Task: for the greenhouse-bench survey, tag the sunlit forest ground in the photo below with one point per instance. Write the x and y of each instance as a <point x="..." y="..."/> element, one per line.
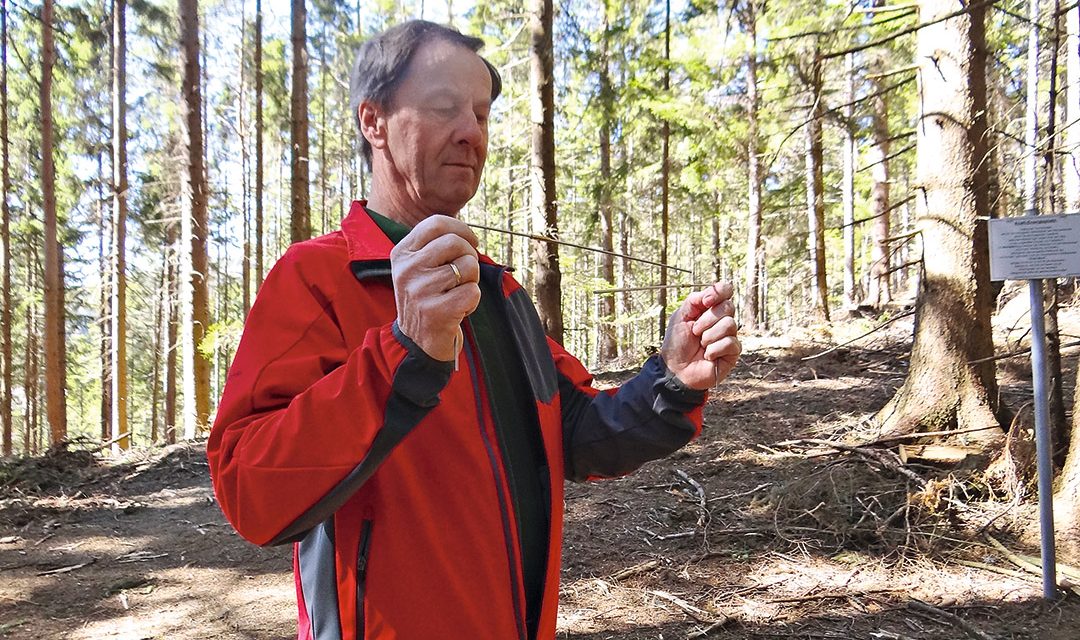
<point x="755" y="530"/>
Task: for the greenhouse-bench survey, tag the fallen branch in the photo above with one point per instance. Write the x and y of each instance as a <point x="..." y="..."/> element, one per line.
<point x="968" y="628"/>
<point x="1030" y="566"/>
<point x="1019" y="575"/>
<point x="68" y="569"/>
<point x="637" y="569"/>
<point x="709" y="629"/>
<point x="880" y="457"/>
<point x="692" y="611"/>
<point x="699" y="491"/>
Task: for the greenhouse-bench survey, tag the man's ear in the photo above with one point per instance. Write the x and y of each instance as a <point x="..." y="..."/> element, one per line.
<point x="372" y="123"/>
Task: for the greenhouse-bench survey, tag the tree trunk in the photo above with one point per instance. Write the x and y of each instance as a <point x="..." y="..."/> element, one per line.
<point x="848" y="188"/>
<point x="258" y="147"/>
<point x="548" y="278"/>
<point x="878" y="290"/>
<point x="1058" y="422"/>
<point x="608" y="343"/>
<point x="245" y="176"/>
<point x="195" y="309"/>
<point x="942" y="390"/>
<point x="5" y="233"/>
<point x="665" y="179"/>
<point x="159" y="345"/>
<point x="815" y="196"/>
<point x="118" y="295"/>
<point x="301" y="213"/>
<point x="55" y="347"/>
<point x="1071" y="164"/>
<point x="30" y="364"/>
<point x="323" y="134"/>
<point x="104" y="300"/>
<point x="755" y="256"/>
<point x="171" y="319"/>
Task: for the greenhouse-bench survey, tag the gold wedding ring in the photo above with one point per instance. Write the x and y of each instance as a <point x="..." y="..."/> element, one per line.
<point x="457" y="273"/>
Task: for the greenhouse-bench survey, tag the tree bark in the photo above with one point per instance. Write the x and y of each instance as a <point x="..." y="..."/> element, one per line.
<point x="195" y="307"/>
<point x="665" y="179"/>
<point x="301" y="213"/>
<point x="258" y="147"/>
<point x="608" y="342"/>
<point x="848" y="188"/>
<point x="245" y="163"/>
<point x="878" y="289"/>
<point x="755" y="256"/>
<point x="31" y="372"/>
<point x="548" y="276"/>
<point x="1071" y="163"/>
<point x="104" y="301"/>
<point x="118" y="296"/>
<point x="942" y="390"/>
<point x="815" y="196"/>
<point x="171" y="319"/>
<point x="5" y="233"/>
<point x="55" y="339"/>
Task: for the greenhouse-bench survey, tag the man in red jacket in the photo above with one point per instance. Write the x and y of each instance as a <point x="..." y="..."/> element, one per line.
<point x="394" y="408"/>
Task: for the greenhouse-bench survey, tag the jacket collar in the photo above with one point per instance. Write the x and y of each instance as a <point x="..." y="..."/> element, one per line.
<point x="364" y="239"/>
<point x="368" y="247"/>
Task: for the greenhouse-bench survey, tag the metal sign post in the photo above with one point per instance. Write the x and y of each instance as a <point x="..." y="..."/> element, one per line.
<point x="1043" y="442"/>
<point x="1033" y="248"/>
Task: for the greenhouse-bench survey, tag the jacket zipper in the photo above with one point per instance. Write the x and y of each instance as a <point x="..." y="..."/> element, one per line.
<point x="471" y="355"/>
<point x="361" y="575"/>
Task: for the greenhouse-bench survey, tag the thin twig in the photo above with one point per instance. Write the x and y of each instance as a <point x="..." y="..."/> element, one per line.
<point x="533" y="236"/>
<point x="903" y="32"/>
<point x="859" y="337"/>
<point x="967" y="627"/>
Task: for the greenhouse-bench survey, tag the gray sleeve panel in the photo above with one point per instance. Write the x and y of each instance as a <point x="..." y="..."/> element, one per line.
<point x="611" y="435"/>
<point x="318" y="581"/>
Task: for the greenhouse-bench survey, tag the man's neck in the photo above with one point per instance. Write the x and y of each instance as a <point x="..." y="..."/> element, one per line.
<point x="392" y="200"/>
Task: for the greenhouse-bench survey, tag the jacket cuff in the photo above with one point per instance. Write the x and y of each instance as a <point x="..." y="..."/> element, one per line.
<point x="419" y="378"/>
<point x="671" y="393"/>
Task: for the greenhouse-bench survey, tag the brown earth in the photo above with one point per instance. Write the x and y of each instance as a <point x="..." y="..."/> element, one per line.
<point x="741" y="532"/>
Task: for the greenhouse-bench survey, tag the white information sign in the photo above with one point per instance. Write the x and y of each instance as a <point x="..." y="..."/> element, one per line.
<point x="1035" y="247"/>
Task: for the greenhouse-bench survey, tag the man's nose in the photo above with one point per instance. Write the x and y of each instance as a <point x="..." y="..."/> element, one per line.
<point x="469" y="130"/>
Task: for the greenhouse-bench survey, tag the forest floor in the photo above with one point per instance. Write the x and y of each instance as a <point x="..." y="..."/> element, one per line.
<point x="752" y="531"/>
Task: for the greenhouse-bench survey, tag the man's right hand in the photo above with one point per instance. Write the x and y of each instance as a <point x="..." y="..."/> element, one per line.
<point x="431" y="302"/>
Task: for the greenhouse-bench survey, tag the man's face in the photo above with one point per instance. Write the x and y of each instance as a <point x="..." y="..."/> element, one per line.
<point x="437" y="127"/>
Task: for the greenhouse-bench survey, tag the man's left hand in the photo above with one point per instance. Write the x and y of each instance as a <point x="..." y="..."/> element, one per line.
<point x="702" y="346"/>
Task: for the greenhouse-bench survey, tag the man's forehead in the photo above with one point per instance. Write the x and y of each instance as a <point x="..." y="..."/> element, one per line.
<point x="446" y="62"/>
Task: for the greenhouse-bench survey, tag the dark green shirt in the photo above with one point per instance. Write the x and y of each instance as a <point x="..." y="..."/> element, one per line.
<point x="514" y="412"/>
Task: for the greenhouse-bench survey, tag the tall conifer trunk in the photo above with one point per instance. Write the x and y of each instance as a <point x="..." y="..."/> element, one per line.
<point x="950" y="381"/>
<point x="665" y="178"/>
<point x="755" y="258"/>
<point x="548" y="278"/>
<point x="258" y="146"/>
<point x="55" y="339"/>
<point x="815" y="196"/>
<point x="301" y="208"/>
<point x="848" y="187"/>
<point x="118" y="296"/>
<point x="5" y="234"/>
<point x="195" y="303"/>
<point x="608" y="343"/>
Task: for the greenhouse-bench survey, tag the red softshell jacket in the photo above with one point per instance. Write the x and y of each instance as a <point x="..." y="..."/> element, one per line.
<point x="424" y="544"/>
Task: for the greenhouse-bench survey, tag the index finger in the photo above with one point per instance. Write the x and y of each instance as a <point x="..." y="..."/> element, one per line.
<point x="710" y="296"/>
<point x="436" y="226"/>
